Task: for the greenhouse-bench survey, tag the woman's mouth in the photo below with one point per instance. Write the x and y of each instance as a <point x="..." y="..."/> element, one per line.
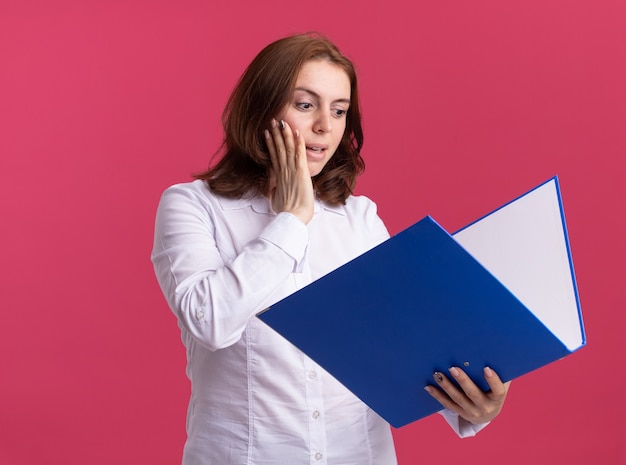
<point x="316" y="152"/>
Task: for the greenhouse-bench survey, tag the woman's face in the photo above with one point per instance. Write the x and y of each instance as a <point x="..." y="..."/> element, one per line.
<point x="318" y="110"/>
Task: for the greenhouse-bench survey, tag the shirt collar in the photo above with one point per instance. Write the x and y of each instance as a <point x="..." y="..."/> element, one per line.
<point x="261" y="204"/>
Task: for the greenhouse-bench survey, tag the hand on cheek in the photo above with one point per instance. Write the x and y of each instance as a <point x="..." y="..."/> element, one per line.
<point x="293" y="190"/>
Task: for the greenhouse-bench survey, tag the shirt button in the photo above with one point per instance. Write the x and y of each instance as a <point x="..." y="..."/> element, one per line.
<point x="318" y="456"/>
<point x="200" y="314"/>
<point x="312" y="374"/>
<point x="316" y="414"/>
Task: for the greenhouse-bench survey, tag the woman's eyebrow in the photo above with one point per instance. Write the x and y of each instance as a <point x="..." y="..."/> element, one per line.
<point x="317" y="96"/>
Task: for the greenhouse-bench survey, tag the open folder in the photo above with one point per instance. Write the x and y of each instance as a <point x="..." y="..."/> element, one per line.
<point x="501" y="293"/>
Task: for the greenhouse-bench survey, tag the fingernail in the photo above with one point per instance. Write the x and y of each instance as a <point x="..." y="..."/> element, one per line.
<point x="438" y="376"/>
<point x="297" y="134"/>
<point x="428" y="389"/>
<point x="282" y="124"/>
<point x="267" y="134"/>
<point x="455" y="372"/>
<point x="274" y="123"/>
<point x="488" y="372"/>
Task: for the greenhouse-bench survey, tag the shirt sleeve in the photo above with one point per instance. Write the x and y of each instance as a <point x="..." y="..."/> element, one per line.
<point x="462" y="427"/>
<point x="212" y="297"/>
<point x="366" y="211"/>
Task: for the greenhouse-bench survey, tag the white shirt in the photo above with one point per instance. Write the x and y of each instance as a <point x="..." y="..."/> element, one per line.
<point x="256" y="399"/>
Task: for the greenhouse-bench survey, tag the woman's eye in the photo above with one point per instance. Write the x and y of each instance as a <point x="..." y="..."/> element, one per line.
<point x="340" y="112"/>
<point x="304" y="105"/>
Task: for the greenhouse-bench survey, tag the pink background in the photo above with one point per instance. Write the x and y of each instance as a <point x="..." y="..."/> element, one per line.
<point x="467" y="104"/>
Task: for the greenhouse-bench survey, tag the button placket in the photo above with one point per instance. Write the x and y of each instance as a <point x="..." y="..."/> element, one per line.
<point x="315" y="405"/>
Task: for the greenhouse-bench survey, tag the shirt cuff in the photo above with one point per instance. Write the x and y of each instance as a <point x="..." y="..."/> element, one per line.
<point x="290" y="235"/>
<point x="462" y="427"/>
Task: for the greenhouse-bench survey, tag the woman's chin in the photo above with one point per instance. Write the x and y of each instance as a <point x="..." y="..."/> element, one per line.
<point x="316" y="167"/>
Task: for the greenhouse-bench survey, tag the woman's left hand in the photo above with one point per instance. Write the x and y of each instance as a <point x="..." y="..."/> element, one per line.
<point x="470" y="402"/>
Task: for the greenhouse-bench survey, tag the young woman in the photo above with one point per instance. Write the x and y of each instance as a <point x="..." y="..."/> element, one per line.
<point x="275" y="213"/>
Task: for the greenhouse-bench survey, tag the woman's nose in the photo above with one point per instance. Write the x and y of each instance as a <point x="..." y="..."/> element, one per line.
<point x="323" y="122"/>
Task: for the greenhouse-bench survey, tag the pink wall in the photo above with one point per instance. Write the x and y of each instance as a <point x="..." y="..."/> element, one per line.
<point x="466" y="105"/>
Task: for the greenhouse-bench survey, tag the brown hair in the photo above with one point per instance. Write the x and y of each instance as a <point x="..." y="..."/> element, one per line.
<point x="262" y="91"/>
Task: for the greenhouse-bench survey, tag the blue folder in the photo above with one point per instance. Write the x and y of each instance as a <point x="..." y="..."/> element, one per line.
<point x="500" y="293"/>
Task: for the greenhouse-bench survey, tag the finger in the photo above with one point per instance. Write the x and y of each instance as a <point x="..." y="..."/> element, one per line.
<point x="271" y="149"/>
<point x="458" y="401"/>
<point x="471" y="390"/>
<point x="497" y="387"/>
<point x="301" y="160"/>
<point x="279" y="144"/>
<point x="457" y="396"/>
<point x="290" y="146"/>
<point x="443" y="399"/>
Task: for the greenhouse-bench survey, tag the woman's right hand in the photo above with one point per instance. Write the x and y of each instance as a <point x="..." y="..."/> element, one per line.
<point x="292" y="189"/>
